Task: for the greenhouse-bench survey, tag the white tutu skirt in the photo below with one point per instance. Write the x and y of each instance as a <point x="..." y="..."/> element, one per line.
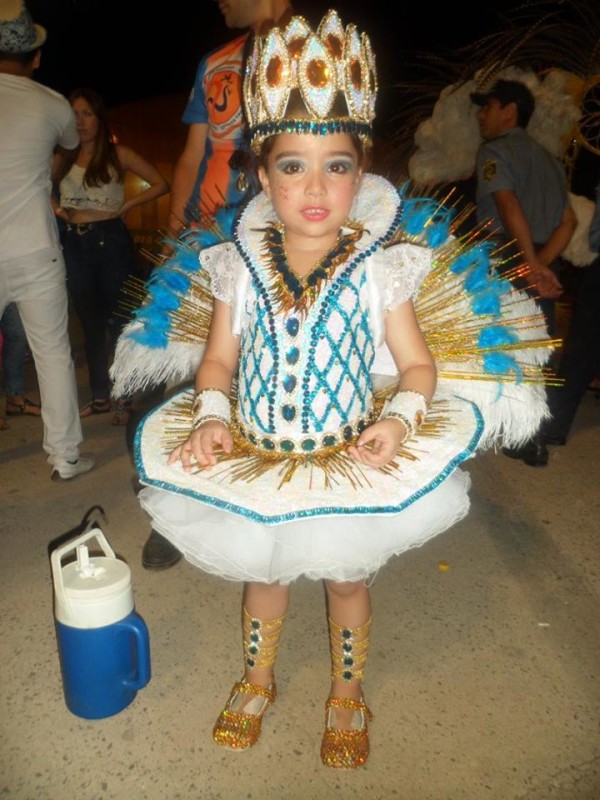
<point x="345" y="548"/>
<point x="270" y="532"/>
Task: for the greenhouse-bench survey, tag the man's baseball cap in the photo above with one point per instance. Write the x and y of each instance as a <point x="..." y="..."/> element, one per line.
<point x="508" y="92"/>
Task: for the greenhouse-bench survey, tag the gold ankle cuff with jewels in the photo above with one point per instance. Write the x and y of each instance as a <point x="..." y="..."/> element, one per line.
<point x="349" y="649"/>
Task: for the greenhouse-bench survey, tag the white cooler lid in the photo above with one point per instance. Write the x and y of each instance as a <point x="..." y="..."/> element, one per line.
<point x="95" y="593"/>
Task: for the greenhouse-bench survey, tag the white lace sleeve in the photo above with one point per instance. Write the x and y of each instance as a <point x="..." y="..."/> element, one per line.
<point x="223" y="263"/>
<point x="401" y="272"/>
<point x="406" y="267"/>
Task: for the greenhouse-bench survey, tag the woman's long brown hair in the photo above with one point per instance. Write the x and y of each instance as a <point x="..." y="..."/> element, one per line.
<point x="105" y="162"/>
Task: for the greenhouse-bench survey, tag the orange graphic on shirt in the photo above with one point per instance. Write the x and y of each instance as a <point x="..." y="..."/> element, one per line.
<point x="223" y="101"/>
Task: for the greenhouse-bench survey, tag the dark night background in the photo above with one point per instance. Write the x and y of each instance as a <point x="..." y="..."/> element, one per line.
<point x="134" y="51"/>
<point x="127" y="51"/>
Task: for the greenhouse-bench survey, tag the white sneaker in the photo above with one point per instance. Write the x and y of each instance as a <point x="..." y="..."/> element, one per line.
<point x="64" y="470"/>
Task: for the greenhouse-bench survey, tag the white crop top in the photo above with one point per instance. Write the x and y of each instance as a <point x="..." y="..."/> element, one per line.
<point x="74" y="194"/>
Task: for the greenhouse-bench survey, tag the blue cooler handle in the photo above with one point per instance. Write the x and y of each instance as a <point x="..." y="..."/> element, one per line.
<point x="136" y="625"/>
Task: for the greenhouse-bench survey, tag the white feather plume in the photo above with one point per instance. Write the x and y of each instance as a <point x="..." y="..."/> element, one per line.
<point x="447" y="141"/>
<point x="137" y="367"/>
<point x="578" y="252"/>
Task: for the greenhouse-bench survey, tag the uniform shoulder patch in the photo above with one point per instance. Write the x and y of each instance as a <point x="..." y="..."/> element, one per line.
<point x="489" y="169"/>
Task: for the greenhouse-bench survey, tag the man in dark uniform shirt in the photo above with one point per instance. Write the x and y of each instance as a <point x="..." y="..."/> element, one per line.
<point x="522" y="193"/>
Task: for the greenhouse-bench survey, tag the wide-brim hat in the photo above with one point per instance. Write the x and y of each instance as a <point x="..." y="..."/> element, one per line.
<point x="18" y="32"/>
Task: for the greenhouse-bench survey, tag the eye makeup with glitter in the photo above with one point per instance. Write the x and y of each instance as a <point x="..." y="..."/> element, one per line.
<point x="289" y="165"/>
<point x="341" y="165"/>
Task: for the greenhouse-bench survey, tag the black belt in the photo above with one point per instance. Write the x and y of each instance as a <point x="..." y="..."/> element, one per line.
<point x="83" y="227"/>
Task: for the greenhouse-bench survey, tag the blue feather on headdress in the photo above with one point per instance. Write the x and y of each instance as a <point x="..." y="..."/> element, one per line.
<point x="163" y="298"/>
<point x="487" y="302"/>
<point x="225" y="219"/>
<point x="421" y="215"/>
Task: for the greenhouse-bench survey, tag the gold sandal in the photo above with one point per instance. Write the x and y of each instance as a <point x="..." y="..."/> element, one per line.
<point x="239" y="729"/>
<point x="342" y="748"/>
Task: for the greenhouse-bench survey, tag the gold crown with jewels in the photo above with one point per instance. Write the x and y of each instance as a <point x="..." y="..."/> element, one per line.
<point x="299" y="81"/>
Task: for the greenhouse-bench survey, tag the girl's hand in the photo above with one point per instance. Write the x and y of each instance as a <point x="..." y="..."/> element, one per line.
<point x="377" y="444"/>
<point x="200" y="444"/>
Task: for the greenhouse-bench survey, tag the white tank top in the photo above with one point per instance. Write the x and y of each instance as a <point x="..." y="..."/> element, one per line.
<point x="74" y="194"/>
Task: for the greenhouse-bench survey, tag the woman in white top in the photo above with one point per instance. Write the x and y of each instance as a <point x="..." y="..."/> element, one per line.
<point x="99" y="250"/>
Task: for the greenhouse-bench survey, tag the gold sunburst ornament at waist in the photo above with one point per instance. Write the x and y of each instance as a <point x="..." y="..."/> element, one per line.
<point x="289" y="291"/>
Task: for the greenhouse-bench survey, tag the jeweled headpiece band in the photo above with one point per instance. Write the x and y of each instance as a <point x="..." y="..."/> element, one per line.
<point x="299" y="81"/>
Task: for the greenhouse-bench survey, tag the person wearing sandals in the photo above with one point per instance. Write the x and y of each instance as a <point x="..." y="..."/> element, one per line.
<point x="321" y="437"/>
<point x="14" y="355"/>
<point x="99" y="250"/>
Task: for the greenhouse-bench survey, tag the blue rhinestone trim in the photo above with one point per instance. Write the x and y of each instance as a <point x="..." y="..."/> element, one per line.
<point x="317" y="442"/>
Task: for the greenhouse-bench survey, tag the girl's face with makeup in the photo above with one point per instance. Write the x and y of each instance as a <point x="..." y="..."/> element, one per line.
<point x="311" y="182"/>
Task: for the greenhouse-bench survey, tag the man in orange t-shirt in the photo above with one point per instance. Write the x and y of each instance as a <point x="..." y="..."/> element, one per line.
<point x="204" y="179"/>
<point x="215" y="102"/>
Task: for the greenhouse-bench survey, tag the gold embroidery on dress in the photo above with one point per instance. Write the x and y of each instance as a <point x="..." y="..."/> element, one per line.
<point x="291" y="292"/>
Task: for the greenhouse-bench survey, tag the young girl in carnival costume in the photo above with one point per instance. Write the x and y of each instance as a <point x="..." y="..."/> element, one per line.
<point x="333" y="306"/>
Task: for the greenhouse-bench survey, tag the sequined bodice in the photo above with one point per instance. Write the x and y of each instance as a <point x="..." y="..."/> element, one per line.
<point x="307" y="375"/>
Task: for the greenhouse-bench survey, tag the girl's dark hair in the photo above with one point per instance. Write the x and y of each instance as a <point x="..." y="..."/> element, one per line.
<point x="104" y="164"/>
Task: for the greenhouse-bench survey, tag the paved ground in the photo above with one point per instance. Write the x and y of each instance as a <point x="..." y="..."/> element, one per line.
<point x="484" y="679"/>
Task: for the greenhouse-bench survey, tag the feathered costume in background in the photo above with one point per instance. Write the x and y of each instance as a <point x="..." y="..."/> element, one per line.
<point x="554" y="48"/>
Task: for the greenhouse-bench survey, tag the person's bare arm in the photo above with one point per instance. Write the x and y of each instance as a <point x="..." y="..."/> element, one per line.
<point x="378" y="443"/>
<point x="55" y="170"/>
<point x="517" y="228"/>
<point x="560" y="238"/>
<point x="133" y="162"/>
<point x="184" y="175"/>
<point x="216" y="371"/>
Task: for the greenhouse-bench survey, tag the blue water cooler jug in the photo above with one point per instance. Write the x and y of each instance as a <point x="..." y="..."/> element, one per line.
<point x="103" y="644"/>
